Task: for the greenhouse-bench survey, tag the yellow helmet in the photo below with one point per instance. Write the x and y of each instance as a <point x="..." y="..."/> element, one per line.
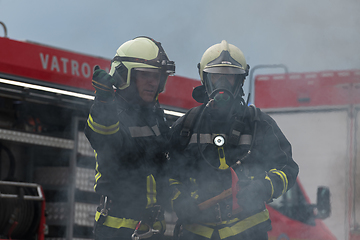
<point x="223" y="58"/>
<point x="140" y="53"/>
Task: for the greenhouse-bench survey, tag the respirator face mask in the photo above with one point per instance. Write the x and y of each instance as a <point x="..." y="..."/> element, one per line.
<point x="221" y="88"/>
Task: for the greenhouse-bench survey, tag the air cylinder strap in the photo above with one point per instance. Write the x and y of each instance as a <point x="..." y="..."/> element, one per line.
<point x="207" y="138"/>
<point x="189" y="120"/>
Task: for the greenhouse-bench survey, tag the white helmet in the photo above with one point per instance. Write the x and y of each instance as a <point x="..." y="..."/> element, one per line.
<point x="140" y="53"/>
<point x="223" y="58"/>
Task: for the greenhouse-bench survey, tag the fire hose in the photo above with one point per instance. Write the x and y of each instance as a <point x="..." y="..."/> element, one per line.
<point x="20" y="208"/>
<point x="222" y="196"/>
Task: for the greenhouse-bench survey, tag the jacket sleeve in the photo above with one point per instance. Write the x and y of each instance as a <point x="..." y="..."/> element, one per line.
<point x="273" y="151"/>
<point x="175" y="181"/>
<point x="102" y="126"/>
<point x="102" y="129"/>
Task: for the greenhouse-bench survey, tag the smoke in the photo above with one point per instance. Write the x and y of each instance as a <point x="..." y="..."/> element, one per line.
<point x="305" y="36"/>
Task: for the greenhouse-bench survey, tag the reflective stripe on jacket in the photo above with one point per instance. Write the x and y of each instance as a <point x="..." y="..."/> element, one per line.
<point x="115" y="222"/>
<point x="231" y="228"/>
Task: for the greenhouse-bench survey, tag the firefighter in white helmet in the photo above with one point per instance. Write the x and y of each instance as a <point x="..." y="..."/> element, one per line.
<point x="227" y="150"/>
<point x="127" y="130"/>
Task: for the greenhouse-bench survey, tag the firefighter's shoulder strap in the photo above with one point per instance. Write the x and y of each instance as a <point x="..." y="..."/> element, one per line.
<point x="188" y="123"/>
<point x="238" y="126"/>
<point x="255" y="113"/>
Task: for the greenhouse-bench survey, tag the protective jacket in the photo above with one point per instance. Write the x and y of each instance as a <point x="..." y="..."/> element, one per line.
<point x="201" y="169"/>
<point x="130" y="147"/>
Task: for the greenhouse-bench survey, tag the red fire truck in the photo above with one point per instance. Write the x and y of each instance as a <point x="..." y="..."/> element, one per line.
<point x="319" y="114"/>
<point x="45" y="95"/>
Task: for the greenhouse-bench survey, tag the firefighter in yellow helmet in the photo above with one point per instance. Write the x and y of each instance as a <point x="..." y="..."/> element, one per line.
<point x="228" y="151"/>
<point x="127" y="131"/>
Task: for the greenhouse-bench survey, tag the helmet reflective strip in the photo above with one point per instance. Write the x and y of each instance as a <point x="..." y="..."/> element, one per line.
<point x="151" y="191"/>
<point x="144" y="131"/>
<point x="245" y="139"/>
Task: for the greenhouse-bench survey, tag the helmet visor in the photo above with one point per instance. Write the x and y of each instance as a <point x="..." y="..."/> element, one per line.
<point x="219" y="81"/>
<point x="120" y="75"/>
<point x="155" y="73"/>
<point x="150" y="70"/>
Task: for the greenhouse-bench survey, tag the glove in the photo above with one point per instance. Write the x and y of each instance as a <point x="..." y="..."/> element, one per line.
<point x="153" y="214"/>
<point x="253" y="196"/>
<point x="103" y="84"/>
<point x="186" y="209"/>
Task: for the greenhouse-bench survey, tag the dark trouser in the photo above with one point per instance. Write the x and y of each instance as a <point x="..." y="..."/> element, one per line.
<point x="247" y="235"/>
<point x="102" y="232"/>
